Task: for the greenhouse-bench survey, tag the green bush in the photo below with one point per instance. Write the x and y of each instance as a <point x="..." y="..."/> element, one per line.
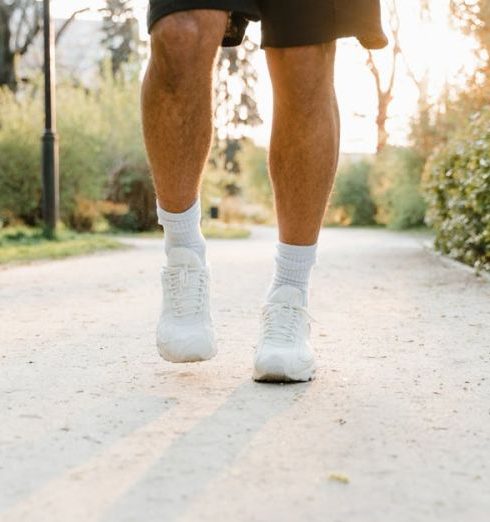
<point x="351" y="196"/>
<point x="99" y="133"/>
<point x="20" y="154"/>
<point x="457" y="188"/>
<point x="256" y="183"/>
<point x="84" y="159"/>
<point x="395" y="182"/>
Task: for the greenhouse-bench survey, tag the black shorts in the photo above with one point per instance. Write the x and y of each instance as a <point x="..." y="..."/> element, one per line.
<point x="287" y="23"/>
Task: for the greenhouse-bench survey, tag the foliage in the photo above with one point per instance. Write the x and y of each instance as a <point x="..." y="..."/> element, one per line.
<point x="120" y="29"/>
<point x="255" y="177"/>
<point x="457" y="185"/>
<point x="436" y="123"/>
<point x="84" y="158"/>
<point x="235" y="107"/>
<point x="131" y="185"/>
<point x="20" y="22"/>
<point x="99" y="133"/>
<point x="473" y="17"/>
<point x="351" y="198"/>
<point x="384" y="93"/>
<point x="252" y="199"/>
<point x="82" y="162"/>
<point x="455" y="176"/>
<point x="20" y="132"/>
<point x="84" y="215"/>
<point x="218" y="230"/>
<point x="236" y="79"/>
<point x="395" y="185"/>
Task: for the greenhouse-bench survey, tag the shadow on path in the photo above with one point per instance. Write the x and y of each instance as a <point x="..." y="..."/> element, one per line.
<point x="28" y="466"/>
<point x="198" y="456"/>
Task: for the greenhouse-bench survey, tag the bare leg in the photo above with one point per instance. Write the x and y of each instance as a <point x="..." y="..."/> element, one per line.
<point x="177" y="102"/>
<point x="303" y="159"/>
<point x="177" y="126"/>
<point x="305" y="138"/>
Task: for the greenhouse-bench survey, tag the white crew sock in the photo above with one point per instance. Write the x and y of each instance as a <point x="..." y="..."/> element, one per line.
<point x="293" y="267"/>
<point x="183" y="229"/>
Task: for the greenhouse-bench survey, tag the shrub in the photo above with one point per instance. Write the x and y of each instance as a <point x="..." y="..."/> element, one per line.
<point x="457" y="188"/>
<point x="20" y="155"/>
<point x="351" y="198"/>
<point x="131" y="185"/>
<point x="84" y="215"/>
<point x="99" y="133"/>
<point x="84" y="159"/>
<point x="256" y="183"/>
<point x="395" y="182"/>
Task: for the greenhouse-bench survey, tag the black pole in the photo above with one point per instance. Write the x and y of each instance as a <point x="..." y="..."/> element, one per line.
<point x="49" y="140"/>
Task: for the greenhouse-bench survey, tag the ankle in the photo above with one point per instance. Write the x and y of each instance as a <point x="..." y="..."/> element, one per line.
<point x="183" y="229"/>
<point x="293" y="268"/>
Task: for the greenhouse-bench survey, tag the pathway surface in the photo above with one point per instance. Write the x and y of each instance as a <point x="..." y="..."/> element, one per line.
<point x="94" y="426"/>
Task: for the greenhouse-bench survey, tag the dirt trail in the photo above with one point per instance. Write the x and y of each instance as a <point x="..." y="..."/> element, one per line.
<point x="396" y="427"/>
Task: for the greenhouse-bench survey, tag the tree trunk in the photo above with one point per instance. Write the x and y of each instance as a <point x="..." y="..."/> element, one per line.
<point x="8" y="76"/>
<point x="384" y="103"/>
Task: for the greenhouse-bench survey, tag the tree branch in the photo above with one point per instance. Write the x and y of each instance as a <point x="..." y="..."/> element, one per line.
<point x="68" y="22"/>
<point x="32" y="32"/>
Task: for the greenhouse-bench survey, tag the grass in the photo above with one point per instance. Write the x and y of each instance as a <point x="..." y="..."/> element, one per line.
<point x="20" y="244"/>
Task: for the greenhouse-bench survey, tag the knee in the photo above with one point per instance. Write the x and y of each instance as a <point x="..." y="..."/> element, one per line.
<point x="184" y="40"/>
<point x="303" y="74"/>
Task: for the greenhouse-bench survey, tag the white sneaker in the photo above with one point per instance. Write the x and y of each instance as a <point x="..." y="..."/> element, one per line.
<point x="185" y="329"/>
<point x="284" y="352"/>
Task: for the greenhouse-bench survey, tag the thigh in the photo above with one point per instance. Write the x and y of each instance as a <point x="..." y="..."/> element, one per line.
<point x="292" y="23"/>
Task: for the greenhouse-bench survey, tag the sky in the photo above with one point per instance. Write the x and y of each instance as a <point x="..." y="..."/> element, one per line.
<point x="433" y="45"/>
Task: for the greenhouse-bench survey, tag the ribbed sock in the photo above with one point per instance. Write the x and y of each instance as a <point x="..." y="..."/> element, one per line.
<point x="293" y="267"/>
<point x="183" y="229"/>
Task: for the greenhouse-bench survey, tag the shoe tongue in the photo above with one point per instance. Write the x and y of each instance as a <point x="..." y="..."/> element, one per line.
<point x="179" y="256"/>
<point x="286" y="294"/>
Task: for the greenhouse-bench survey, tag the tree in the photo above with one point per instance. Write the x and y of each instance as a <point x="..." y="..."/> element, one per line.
<point x="121" y="32"/>
<point x="66" y="24"/>
<point x="385" y="93"/>
<point x="473" y="17"/>
<point x="235" y="106"/>
<point x="20" y="22"/>
<point x="435" y="124"/>
<point x="422" y="132"/>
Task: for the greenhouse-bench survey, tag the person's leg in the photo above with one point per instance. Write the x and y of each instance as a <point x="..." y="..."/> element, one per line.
<point x="177" y="126"/>
<point x="305" y="138"/>
<point x="302" y="161"/>
<point x="303" y="153"/>
<point x="177" y="117"/>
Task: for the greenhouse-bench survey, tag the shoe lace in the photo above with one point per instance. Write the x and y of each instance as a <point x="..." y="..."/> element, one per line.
<point x="186" y="287"/>
<point x="281" y="321"/>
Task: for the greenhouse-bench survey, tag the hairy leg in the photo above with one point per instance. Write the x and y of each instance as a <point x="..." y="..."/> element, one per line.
<point x="305" y="138"/>
<point x="177" y="102"/>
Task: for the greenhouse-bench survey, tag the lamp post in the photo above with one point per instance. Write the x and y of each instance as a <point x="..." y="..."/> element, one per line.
<point x="49" y="139"/>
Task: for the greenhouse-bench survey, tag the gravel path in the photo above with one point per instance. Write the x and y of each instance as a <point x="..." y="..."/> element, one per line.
<point x="96" y="427"/>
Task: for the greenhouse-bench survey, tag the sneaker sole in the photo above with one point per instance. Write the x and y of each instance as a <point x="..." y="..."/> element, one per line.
<point x="279" y="374"/>
<point x="187" y="357"/>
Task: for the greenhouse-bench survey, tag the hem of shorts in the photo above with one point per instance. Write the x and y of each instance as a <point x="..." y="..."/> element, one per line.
<point x="158" y="12"/>
<point x="380" y="43"/>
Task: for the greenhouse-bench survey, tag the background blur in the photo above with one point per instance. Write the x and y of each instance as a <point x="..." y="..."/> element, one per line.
<point x="415" y="128"/>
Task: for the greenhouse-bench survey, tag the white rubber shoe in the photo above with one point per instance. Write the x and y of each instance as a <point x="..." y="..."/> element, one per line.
<point x="185" y="329"/>
<point x="284" y="352"/>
